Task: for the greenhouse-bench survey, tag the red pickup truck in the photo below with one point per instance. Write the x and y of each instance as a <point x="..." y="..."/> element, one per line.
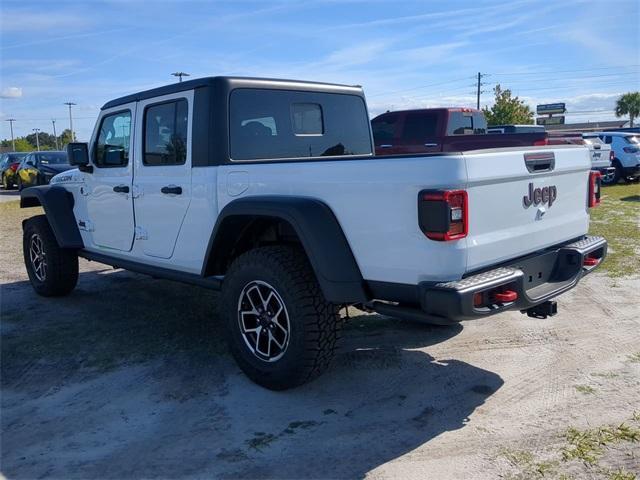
<point x="442" y="130"/>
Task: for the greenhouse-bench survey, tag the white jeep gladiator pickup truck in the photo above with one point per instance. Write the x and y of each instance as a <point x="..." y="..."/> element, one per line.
<point x="269" y="191"/>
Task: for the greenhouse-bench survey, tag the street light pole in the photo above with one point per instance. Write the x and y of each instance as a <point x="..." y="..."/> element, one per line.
<point x="180" y="75"/>
<point x="73" y="137"/>
<point x="13" y="142"/>
<point x="37" y="139"/>
<point x="55" y="137"/>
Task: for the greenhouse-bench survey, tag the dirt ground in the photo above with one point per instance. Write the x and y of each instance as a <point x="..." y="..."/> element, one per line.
<point x="128" y="378"/>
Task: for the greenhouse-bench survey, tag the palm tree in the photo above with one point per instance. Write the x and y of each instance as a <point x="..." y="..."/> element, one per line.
<point x="628" y="104"/>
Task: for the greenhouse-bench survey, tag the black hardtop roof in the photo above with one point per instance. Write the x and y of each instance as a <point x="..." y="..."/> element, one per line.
<point x="229" y="83"/>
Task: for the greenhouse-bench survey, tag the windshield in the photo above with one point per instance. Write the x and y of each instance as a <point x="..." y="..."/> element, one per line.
<point x="15" y="157"/>
<point x="635" y="139"/>
<point x="53" y="158"/>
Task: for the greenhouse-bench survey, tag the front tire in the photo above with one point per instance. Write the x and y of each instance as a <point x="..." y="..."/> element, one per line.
<point x="279" y="327"/>
<point x="53" y="271"/>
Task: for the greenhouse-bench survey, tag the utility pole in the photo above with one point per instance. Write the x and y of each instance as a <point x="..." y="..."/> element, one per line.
<point x="73" y="136"/>
<point x="13" y="142"/>
<point x="37" y="139"/>
<point x="55" y="137"/>
<point x="180" y="75"/>
<point x="478" y="91"/>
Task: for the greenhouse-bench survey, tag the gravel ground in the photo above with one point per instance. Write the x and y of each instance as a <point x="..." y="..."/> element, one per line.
<point x="128" y="378"/>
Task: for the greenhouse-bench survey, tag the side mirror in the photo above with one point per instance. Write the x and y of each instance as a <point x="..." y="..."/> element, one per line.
<point x="78" y="155"/>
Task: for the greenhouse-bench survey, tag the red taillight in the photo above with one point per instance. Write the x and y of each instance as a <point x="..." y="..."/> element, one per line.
<point x="540" y="143"/>
<point x="443" y="215"/>
<point x="594" y="188"/>
<point x="14" y="166"/>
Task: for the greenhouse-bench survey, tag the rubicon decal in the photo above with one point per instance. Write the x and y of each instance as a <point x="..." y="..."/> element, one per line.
<point x="537" y="196"/>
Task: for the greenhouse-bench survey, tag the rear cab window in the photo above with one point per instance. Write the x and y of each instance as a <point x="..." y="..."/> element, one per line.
<point x="466" y="123"/>
<point x="280" y="124"/>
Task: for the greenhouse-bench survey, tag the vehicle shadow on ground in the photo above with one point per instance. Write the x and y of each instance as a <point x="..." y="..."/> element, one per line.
<point x="128" y="378"/>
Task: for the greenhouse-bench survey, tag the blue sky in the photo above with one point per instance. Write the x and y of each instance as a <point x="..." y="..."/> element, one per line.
<point x="405" y="54"/>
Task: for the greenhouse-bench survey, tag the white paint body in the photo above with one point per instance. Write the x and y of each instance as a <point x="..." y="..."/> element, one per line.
<point x="375" y="201"/>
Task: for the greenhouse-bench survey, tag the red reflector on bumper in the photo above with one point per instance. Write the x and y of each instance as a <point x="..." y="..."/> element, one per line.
<point x="506" y="296"/>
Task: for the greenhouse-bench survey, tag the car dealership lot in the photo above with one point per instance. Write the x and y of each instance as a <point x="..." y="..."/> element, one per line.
<point x="128" y="378"/>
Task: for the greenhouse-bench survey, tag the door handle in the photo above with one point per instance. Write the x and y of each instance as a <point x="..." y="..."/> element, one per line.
<point x="121" y="189"/>
<point x="386" y="145"/>
<point x="171" y="190"/>
<point x="430" y="144"/>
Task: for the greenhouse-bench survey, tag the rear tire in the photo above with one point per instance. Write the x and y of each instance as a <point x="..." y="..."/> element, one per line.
<point x="53" y="271"/>
<point x="6" y="183"/>
<point x="279" y="327"/>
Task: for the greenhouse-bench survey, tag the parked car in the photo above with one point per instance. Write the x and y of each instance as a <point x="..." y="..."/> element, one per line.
<point x="38" y="168"/>
<point x="516" y="129"/>
<point x="9" y="163"/>
<point x="435" y="130"/>
<point x="626" y="154"/>
<point x="269" y="191"/>
<point x="601" y="157"/>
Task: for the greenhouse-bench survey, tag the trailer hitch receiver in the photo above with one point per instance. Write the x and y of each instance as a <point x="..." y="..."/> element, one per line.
<point x="543" y="310"/>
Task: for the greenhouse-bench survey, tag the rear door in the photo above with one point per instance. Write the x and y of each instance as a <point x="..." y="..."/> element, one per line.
<point x="524" y="200"/>
<point x="420" y="132"/>
<point x="162" y="186"/>
<point x="386" y="133"/>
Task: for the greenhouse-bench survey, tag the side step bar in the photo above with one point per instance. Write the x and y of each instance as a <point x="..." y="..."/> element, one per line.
<point x="212" y="283"/>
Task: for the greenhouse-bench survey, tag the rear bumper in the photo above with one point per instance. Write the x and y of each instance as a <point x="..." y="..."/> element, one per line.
<point x="607" y="173"/>
<point x="631" y="171"/>
<point x="535" y="278"/>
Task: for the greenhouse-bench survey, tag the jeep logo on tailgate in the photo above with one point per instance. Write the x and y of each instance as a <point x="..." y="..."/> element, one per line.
<point x="540" y="195"/>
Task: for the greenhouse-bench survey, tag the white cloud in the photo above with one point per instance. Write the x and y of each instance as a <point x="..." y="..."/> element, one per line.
<point x="11" y="92"/>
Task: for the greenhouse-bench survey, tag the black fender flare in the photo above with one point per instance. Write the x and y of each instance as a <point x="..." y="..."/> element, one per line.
<point x="319" y="232"/>
<point x="58" y="207"/>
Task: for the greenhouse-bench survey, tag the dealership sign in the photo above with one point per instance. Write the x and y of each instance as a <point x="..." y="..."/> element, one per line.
<point x="559" y="120"/>
<point x="550" y="108"/>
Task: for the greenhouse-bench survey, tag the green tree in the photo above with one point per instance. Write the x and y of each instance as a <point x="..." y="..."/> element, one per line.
<point x="507" y="110"/>
<point x="629" y="104"/>
<point x="23" y="145"/>
<point x="64" y="138"/>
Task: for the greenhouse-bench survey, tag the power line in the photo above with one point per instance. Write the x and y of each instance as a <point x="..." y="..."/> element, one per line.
<point x="567" y="71"/>
<point x="419" y="87"/>
<point x="585" y="77"/>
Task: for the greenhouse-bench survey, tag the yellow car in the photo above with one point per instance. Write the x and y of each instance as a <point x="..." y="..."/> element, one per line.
<point x="9" y="163"/>
<point x="38" y="168"/>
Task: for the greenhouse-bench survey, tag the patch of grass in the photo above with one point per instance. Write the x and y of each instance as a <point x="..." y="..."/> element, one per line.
<point x="634" y="358"/>
<point x="526" y="462"/>
<point x="616" y="219"/>
<point x="586" y="389"/>
<point x="621" y="474"/>
<point x="588" y="445"/>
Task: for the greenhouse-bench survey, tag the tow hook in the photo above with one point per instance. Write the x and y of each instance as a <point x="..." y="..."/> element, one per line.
<point x="544" y="310"/>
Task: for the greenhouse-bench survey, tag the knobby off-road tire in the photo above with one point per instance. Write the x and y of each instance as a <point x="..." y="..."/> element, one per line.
<point x="279" y="282"/>
<point x="53" y="271"/>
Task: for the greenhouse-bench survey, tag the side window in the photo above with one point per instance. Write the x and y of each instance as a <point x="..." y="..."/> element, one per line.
<point x="271" y="124"/>
<point x="165" y="133"/>
<point x="607" y="140"/>
<point x="419" y="126"/>
<point x="112" y="146"/>
<point x="385" y="128"/>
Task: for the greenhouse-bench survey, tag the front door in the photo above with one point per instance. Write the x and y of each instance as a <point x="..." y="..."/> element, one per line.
<point x="108" y="189"/>
<point x="163" y="171"/>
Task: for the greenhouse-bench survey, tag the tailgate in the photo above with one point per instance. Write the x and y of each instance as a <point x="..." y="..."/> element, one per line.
<point x="599" y="156"/>
<point x="514" y="211"/>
